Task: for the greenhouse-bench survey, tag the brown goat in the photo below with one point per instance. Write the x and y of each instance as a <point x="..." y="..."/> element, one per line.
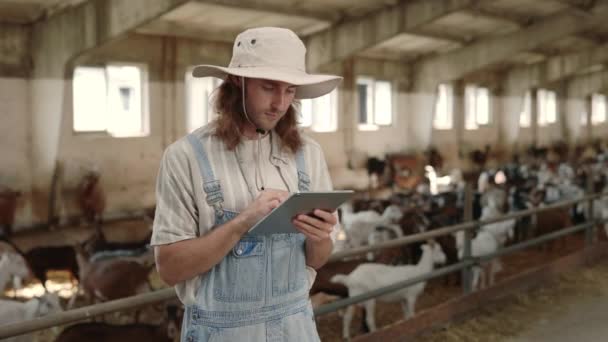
<point x="43" y="259"/>
<point x="8" y="206"/>
<point x="548" y="221"/>
<point x="91" y="197"/>
<point x="109" y="279"/>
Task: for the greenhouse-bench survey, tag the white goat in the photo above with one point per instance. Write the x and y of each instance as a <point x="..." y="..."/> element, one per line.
<point x="12" y="266"/>
<point x="359" y="225"/>
<point x="371" y="276"/>
<point x="502" y="230"/>
<point x="382" y="234"/>
<point x="14" y="311"/>
<point x="483" y="244"/>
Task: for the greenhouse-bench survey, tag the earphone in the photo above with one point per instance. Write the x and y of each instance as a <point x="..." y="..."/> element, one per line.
<point x="260" y="132"/>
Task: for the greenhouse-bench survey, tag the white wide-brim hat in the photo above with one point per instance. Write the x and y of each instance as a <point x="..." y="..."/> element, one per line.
<point x="276" y="54"/>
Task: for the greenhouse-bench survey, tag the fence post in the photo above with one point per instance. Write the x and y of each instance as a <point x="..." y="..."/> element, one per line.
<point x="466" y="273"/>
<point x="590" y="230"/>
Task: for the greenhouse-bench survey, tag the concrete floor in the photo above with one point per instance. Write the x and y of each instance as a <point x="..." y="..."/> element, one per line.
<point x="584" y="320"/>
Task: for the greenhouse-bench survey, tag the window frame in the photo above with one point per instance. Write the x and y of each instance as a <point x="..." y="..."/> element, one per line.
<point x="597" y="99"/>
<point x="471" y="120"/>
<point x="315" y="123"/>
<point x="371" y="123"/>
<point x="525" y="116"/>
<point x="194" y="84"/>
<point x="108" y="83"/>
<point x="445" y="91"/>
<point x="542" y="96"/>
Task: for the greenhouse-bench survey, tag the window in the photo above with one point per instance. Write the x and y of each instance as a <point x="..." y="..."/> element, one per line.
<point x="477" y="106"/>
<point x="443" y="107"/>
<point x="547" y="107"/>
<point x="199" y="110"/>
<point x="525" y="117"/>
<point x="584" y="119"/>
<point x="598" y="109"/>
<point x="111" y="99"/>
<point x="320" y="114"/>
<point x="375" y="103"/>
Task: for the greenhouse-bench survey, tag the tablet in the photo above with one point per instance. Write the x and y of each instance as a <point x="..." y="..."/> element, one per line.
<point x="278" y="221"/>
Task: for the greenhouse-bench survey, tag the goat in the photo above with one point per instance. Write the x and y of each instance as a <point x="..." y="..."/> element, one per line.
<point x="8" y="205"/>
<point x="12" y="265"/>
<point x="322" y="283"/>
<point x="110" y="279"/>
<point x="105" y="332"/>
<point x="358" y="226"/>
<point x="381" y="234"/>
<point x="371" y="276"/>
<point x="548" y="221"/>
<point x="13" y="311"/>
<point x="483" y="244"/>
<point x="43" y="259"/>
<point x="91" y="198"/>
<point x="375" y="167"/>
<point x="501" y="230"/>
<point x="98" y="243"/>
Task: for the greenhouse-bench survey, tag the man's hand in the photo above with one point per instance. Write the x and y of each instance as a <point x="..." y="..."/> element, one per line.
<point x="318" y="227"/>
<point x="262" y="205"/>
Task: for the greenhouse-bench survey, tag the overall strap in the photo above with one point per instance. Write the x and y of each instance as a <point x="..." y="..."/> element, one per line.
<point x="303" y="178"/>
<point x="212" y="186"/>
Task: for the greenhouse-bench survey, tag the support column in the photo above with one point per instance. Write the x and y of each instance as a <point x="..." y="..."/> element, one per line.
<point x="534" y="116"/>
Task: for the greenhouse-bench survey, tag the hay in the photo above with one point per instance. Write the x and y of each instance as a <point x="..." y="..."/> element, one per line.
<point x="522" y="311"/>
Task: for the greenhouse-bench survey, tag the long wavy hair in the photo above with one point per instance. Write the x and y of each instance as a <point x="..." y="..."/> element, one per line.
<point x="230" y="120"/>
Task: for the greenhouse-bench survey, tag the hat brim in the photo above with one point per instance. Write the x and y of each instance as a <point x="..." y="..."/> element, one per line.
<point x="309" y="85"/>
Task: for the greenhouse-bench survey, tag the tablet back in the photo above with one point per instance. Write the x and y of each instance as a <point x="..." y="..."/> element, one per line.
<point x="278" y="221"/>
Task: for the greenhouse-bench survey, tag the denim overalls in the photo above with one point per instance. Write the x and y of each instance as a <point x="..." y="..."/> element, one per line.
<point x="259" y="291"/>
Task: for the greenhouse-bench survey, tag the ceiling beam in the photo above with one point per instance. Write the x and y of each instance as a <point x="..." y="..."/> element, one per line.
<point x="15" y="50"/>
<point x="284" y="7"/>
<point x="350" y="37"/>
<point x="554" y="69"/>
<point x="62" y="37"/>
<point x="456" y="64"/>
<point x="518" y="20"/>
<point x="584" y="85"/>
<point x="580" y="4"/>
<point x="382" y="69"/>
<point x="450" y="37"/>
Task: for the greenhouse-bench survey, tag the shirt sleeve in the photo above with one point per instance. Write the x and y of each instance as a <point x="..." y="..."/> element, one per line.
<point x="176" y="211"/>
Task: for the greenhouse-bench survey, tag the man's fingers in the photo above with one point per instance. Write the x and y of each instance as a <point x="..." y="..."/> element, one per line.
<point x="311" y="231"/>
<point x="315" y="222"/>
<point x="326" y="216"/>
<point x="279" y="195"/>
<point x="274" y="203"/>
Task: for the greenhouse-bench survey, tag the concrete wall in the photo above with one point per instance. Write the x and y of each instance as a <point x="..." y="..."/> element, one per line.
<point x="15" y="141"/>
<point x="129" y="165"/>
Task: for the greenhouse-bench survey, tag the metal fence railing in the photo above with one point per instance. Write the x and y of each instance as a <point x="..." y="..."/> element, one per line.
<point x="464" y="265"/>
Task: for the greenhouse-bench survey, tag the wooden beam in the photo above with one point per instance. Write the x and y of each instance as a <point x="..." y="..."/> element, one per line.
<point x="62" y="37"/>
<point x="283" y="7"/>
<point x="350" y="37"/>
<point x="554" y="69"/>
<point x="453" y="65"/>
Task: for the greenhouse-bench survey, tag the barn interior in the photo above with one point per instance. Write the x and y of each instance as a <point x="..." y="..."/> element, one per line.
<point x="446" y="107"/>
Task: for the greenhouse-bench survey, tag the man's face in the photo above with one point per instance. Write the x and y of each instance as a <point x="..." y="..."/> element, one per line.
<point x="267" y="101"/>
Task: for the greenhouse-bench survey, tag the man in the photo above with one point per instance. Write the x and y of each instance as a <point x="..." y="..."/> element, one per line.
<point x="217" y="182"/>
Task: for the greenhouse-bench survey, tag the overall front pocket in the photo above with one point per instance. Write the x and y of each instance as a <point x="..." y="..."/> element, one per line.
<point x="288" y="263"/>
<point x="239" y="277"/>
